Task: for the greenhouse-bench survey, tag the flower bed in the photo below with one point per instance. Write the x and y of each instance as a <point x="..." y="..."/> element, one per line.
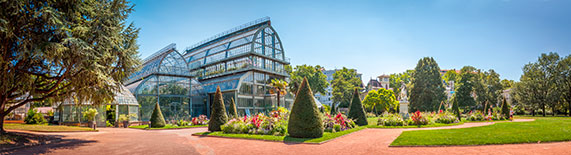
<point x="417" y="119"/>
<point x="260" y="124"/>
<point x="338" y="123"/>
<point x="200" y="121"/>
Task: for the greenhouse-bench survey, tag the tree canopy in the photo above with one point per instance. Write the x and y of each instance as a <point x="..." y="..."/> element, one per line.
<point x="64" y="49"/>
<point x="427" y="90"/>
<point x="379" y="101"/>
<point x="344" y="82"/>
<point x="317" y="80"/>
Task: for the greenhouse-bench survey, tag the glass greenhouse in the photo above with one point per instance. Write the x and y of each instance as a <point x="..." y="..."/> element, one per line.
<point x="241" y="61"/>
<point x="70" y="112"/>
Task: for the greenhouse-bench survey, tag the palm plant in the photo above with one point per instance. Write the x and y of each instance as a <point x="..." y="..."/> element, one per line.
<point x="279" y="88"/>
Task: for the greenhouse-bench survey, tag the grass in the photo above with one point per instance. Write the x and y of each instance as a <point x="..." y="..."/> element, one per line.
<point x="46" y="128"/>
<point x="548" y="129"/>
<point x="168" y="126"/>
<point x="416" y="126"/>
<point x="326" y="136"/>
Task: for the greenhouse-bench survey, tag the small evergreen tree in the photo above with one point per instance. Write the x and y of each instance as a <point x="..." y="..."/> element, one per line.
<point x="333" y="111"/>
<point x="505" y="109"/>
<point x="356" y="111"/>
<point x="305" y="120"/>
<point x="157" y="119"/>
<point x="456" y="109"/>
<point x="232" y="112"/>
<point x="218" y="115"/>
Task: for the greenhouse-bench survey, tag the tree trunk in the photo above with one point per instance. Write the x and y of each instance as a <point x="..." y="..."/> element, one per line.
<point x="553" y="111"/>
<point x="532" y="112"/>
<point x="543" y="107"/>
<point x="2" y="131"/>
<point x="278" y="99"/>
<point x="569" y="102"/>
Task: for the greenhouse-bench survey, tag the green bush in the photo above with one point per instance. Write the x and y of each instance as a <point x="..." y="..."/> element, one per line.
<point x="218" y="115"/>
<point x="305" y="120"/>
<point x="157" y="119"/>
<point x="446" y="118"/>
<point x="232" y="112"/>
<point x="333" y="109"/>
<point x="356" y="111"/>
<point x="505" y="109"/>
<point x="90" y="114"/>
<point x="34" y="117"/>
<point x="391" y="120"/>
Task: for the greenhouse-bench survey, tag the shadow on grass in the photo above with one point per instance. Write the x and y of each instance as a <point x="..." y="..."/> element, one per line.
<point x="27" y="143"/>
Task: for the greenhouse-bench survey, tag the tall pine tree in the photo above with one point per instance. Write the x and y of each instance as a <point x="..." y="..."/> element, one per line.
<point x="427" y="89"/>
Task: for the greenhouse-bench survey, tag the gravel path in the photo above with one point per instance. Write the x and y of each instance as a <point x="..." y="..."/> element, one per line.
<point x="368" y="141"/>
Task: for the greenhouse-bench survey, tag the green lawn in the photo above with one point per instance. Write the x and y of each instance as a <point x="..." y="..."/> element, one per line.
<point x="549" y="129"/>
<point x="168" y="126"/>
<point x="45" y="128"/>
<point x="326" y="136"/>
<point x="415" y="126"/>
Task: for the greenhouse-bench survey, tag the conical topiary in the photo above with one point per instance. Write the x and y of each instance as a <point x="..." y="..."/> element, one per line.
<point x="505" y="109"/>
<point x="356" y="111"/>
<point x="456" y="109"/>
<point x="232" y="112"/>
<point x="157" y="119"/>
<point x="305" y="120"/>
<point x="218" y="115"/>
<point x="333" y="110"/>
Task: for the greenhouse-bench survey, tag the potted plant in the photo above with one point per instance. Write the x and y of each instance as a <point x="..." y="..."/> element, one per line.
<point x="90" y="115"/>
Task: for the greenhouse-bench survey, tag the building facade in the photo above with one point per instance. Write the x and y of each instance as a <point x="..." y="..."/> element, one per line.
<point x="241" y="61"/>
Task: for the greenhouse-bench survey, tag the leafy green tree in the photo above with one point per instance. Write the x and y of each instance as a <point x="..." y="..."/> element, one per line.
<point x="397" y="80"/>
<point x="232" y="112"/>
<point x="305" y="119"/>
<point x="157" y="118"/>
<point x="58" y="49"/>
<point x="218" y="115"/>
<point x="427" y="90"/>
<point x="465" y="87"/>
<point x="451" y="75"/>
<point x="506" y="84"/>
<point x="356" y="111"/>
<point x="317" y="80"/>
<point x="487" y="88"/>
<point x="564" y="82"/>
<point x="344" y="82"/>
<point x="279" y="88"/>
<point x="381" y="101"/>
<point x="537" y="86"/>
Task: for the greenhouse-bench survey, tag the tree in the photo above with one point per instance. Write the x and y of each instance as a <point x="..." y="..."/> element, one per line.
<point x="344" y="82"/>
<point x="451" y="75"/>
<point x="157" y="119"/>
<point x="383" y="100"/>
<point x="218" y="115"/>
<point x="507" y="84"/>
<point x="537" y="86"/>
<point x="456" y="110"/>
<point x="232" y="112"/>
<point x="279" y="88"/>
<point x="356" y="111"/>
<point x="427" y="90"/>
<point x="465" y="87"/>
<point x="505" y="108"/>
<point x="63" y="49"/>
<point x="317" y="80"/>
<point x="564" y="82"/>
<point x="487" y="88"/>
<point x="305" y="120"/>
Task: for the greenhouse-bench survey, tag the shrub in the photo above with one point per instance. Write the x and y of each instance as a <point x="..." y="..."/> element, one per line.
<point x="182" y="123"/>
<point x="391" y="120"/>
<point x="475" y="116"/>
<point x="305" y="120"/>
<point x="356" y="111"/>
<point x="218" y="115"/>
<point x="90" y="114"/>
<point x="157" y="119"/>
<point x="330" y="123"/>
<point x="446" y="118"/>
<point x="232" y="112"/>
<point x="34" y="117"/>
<point x="259" y="124"/>
<point x="456" y="110"/>
<point x="505" y="109"/>
<point x="418" y="119"/>
<point x="371" y="115"/>
<point x="200" y="120"/>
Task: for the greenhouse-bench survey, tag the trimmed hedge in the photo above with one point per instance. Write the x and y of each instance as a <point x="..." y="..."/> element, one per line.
<point x="505" y="109"/>
<point x="356" y="111"/>
<point x="157" y="119"/>
<point x="305" y="120"/>
<point x="218" y="115"/>
<point x="333" y="110"/>
<point x="456" y="109"/>
<point x="232" y="112"/>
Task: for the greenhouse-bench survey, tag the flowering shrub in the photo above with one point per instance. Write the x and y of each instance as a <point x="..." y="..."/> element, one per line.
<point x="446" y="118"/>
<point x="200" y="120"/>
<point x="418" y="119"/>
<point x="274" y="124"/>
<point x="338" y="123"/>
<point x="475" y="116"/>
<point x="391" y="120"/>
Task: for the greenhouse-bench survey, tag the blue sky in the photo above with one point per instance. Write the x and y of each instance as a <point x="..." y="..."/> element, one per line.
<point x="375" y="37"/>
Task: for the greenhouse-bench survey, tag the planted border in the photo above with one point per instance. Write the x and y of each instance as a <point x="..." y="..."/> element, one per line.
<point x="166" y="127"/>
